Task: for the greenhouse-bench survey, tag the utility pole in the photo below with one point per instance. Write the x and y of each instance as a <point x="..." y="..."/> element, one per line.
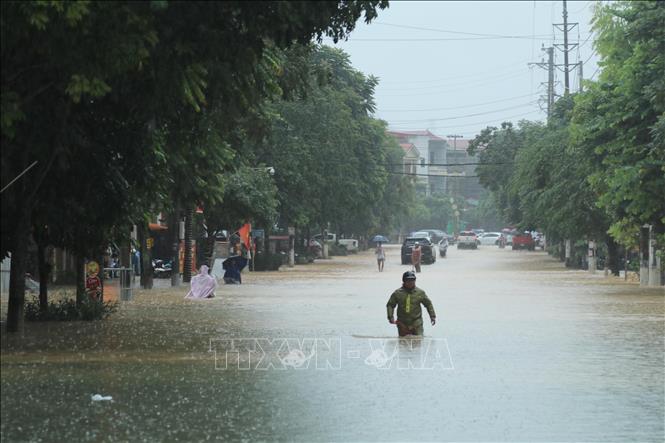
<point x="550" y="78"/>
<point x="566" y="83"/>
<point x="454" y="137"/>
<point x="566" y="47"/>
<point x="581" y="75"/>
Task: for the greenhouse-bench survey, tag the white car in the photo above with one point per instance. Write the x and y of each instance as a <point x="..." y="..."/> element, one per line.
<point x="490" y="238"/>
<point x="467" y="239"/>
<point x="350" y="243"/>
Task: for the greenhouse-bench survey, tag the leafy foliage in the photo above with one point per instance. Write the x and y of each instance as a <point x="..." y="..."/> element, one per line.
<point x="66" y="309"/>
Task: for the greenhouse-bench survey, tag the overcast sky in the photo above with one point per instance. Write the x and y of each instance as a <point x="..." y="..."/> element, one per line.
<point x="447" y="66"/>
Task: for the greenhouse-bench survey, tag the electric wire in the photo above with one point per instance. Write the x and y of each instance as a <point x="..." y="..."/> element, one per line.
<point x="467" y="115"/>
<point x="459" y="107"/>
<point x="485" y="123"/>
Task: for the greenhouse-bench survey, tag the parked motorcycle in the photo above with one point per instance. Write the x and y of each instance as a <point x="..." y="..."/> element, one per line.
<point x="161" y="268"/>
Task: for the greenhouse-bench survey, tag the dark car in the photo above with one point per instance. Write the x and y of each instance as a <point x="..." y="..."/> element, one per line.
<point x="435" y="234"/>
<point x="426" y="245"/>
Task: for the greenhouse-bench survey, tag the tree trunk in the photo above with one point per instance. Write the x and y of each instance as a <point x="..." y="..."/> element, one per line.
<point x="19" y="260"/>
<point x="80" y="278"/>
<point x="644" y="256"/>
<point x="174" y="227"/>
<point x="44" y="272"/>
<point x="612" y="255"/>
<point x="562" y="251"/>
<point x="143" y="233"/>
<point x="187" y="267"/>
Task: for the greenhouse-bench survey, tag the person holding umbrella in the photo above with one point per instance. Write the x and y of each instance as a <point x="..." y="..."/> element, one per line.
<point x="233" y="265"/>
<point x="380" y="256"/>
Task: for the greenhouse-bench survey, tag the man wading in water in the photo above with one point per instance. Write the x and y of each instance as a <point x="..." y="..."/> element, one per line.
<point x="408" y="299"/>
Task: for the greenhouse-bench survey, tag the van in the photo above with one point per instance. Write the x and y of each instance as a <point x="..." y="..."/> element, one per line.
<point x="350" y="243"/>
<point x="329" y="237"/>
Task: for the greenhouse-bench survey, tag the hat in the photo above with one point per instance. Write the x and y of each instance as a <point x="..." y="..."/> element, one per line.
<point x="408" y="275"/>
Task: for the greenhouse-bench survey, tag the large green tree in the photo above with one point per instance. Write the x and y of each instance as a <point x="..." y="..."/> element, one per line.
<point x="141" y="72"/>
<point x="619" y="120"/>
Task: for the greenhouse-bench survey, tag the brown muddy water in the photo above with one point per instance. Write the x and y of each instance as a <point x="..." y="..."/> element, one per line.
<point x="523" y="351"/>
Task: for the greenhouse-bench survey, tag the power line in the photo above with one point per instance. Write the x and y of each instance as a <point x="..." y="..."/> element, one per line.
<point x="447" y="84"/>
<point x="441" y="39"/>
<point x="458" y="107"/>
<point x="459" y="164"/>
<point x="467" y="115"/>
<point x="594" y="73"/>
<point x="431" y="175"/>
<point x="447" y="31"/>
<point x="485" y="123"/>
<point x="587" y="60"/>
<point x="457" y="87"/>
<point x="465" y="76"/>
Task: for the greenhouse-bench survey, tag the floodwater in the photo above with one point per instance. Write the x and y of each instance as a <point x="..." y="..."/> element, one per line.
<point x="523" y="350"/>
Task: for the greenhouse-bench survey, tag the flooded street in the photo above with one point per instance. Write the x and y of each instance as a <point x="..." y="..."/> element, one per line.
<point x="523" y="350"/>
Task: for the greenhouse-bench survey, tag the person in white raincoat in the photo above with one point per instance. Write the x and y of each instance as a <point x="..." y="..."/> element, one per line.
<point x="203" y="285"/>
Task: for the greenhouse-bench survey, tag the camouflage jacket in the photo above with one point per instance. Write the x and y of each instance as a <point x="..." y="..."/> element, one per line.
<point x="408" y="304"/>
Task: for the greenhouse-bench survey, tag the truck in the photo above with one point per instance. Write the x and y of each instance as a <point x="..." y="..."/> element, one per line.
<point x="523" y="240"/>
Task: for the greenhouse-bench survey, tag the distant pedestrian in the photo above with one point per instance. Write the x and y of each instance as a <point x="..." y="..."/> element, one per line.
<point x="380" y="256"/>
<point x="408" y="299"/>
<point x="136" y="262"/>
<point x="416" y="256"/>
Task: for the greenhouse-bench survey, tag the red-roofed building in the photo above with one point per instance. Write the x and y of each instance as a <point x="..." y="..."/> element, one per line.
<point x="411" y="158"/>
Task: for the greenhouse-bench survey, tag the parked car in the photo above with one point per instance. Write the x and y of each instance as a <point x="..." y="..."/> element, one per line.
<point x="436" y="235"/>
<point x="523" y="240"/>
<point x="421" y="234"/>
<point x="350" y="243"/>
<point x="490" y="238"/>
<point x="443" y="247"/>
<point x="426" y="245"/>
<point x="467" y="240"/>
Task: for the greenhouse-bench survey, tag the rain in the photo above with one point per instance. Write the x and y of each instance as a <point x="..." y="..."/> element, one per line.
<point x="332" y="221"/>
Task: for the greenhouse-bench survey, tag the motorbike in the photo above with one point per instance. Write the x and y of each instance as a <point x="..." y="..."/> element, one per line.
<point x="161" y="268"/>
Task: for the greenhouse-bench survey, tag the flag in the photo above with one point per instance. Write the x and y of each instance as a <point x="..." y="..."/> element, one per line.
<point x="244" y="233"/>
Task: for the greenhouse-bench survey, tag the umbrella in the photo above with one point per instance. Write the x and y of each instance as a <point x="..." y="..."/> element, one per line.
<point x="380" y="239"/>
<point x="237" y="261"/>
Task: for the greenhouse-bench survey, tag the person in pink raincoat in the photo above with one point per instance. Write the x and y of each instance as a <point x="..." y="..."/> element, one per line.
<point x="203" y="285"/>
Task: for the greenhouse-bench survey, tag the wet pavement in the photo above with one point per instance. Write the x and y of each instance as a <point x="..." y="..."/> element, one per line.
<point x="523" y="350"/>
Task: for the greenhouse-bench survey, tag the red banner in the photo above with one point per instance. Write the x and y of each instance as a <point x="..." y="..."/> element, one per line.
<point x="244" y="234"/>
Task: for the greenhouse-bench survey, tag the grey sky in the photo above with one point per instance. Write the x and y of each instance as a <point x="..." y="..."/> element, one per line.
<point x="450" y="83"/>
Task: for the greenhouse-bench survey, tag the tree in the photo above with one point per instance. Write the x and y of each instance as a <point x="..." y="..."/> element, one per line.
<point x="72" y="72"/>
<point x="619" y="120"/>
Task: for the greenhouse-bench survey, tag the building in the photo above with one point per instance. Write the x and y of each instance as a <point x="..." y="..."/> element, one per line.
<point x="431" y="150"/>
<point x="468" y="187"/>
<point x="411" y="159"/>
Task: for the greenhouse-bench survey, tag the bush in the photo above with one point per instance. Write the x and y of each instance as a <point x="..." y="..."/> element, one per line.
<point x="265" y="261"/>
<point x="304" y="258"/>
<point x="65" y="309"/>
